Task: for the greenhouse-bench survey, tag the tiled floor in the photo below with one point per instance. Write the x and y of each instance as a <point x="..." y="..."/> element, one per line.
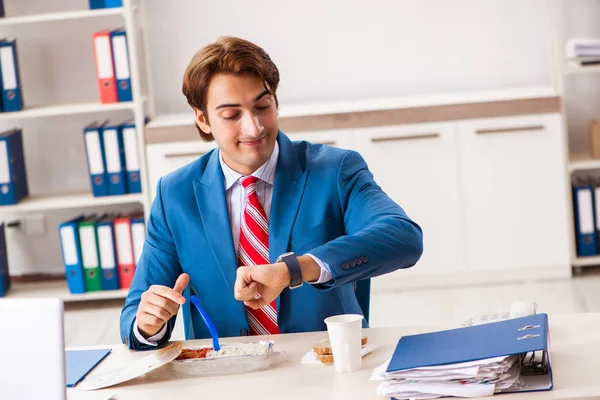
<point x="98" y="323"/>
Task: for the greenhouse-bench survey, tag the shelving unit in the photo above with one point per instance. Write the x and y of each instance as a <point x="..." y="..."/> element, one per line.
<point x="59" y="289"/>
<point x="131" y="19"/>
<point x="60" y="16"/>
<point x="563" y="70"/>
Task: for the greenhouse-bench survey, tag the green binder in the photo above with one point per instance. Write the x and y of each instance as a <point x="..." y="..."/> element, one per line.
<point x="88" y="240"/>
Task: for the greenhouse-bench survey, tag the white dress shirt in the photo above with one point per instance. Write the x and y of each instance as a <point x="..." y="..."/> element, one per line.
<point x="236" y="203"/>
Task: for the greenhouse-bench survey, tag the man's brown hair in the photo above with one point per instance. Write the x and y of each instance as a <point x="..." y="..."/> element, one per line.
<point x="228" y="55"/>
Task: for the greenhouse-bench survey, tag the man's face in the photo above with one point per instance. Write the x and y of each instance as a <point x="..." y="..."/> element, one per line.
<point x="243" y="120"/>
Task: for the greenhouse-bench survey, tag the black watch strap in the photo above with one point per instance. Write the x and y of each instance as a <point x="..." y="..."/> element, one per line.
<point x="291" y="260"/>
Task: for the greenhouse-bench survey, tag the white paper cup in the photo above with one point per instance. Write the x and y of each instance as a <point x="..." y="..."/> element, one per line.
<point x="345" y="333"/>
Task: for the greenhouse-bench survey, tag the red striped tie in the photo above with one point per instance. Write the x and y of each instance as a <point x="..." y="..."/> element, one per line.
<point x="254" y="250"/>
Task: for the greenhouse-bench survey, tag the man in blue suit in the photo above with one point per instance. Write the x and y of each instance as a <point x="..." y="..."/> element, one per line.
<point x="324" y="219"/>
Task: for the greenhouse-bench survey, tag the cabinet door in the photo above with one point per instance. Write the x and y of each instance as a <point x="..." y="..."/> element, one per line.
<point x="163" y="158"/>
<point x="342" y="138"/>
<point x="416" y="166"/>
<point x="514" y="181"/>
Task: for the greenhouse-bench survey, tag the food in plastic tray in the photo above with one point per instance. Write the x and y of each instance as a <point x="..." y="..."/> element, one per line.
<point x="233" y="358"/>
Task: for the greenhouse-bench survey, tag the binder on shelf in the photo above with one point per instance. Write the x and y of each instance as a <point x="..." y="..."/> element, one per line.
<point x="13" y="176"/>
<point x="527" y="337"/>
<point x="4" y="275"/>
<point x="583" y="206"/>
<point x="96" y="4"/>
<point x="138" y="236"/>
<point x="105" y="73"/>
<point x="132" y="158"/>
<point x="12" y="97"/>
<point x="71" y="251"/>
<point x="125" y="257"/>
<point x="113" y="3"/>
<point x="2" y="8"/>
<point x="114" y="153"/>
<point x="121" y="62"/>
<point x="89" y="253"/>
<point x="94" y="150"/>
<point x="108" y="254"/>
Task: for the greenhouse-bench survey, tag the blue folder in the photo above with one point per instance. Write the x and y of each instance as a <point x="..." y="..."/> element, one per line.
<point x="13" y="174"/>
<point x="4" y="276"/>
<point x="585" y="223"/>
<point x="94" y="151"/>
<point x="71" y="251"/>
<point x="120" y="52"/>
<point x="113" y="3"/>
<point x="108" y="255"/>
<point x="96" y="4"/>
<point x="114" y="153"/>
<point x="81" y="362"/>
<point x="12" y="99"/>
<point x="132" y="159"/>
<point x="507" y="337"/>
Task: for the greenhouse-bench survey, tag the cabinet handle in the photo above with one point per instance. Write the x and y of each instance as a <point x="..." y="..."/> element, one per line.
<point x="191" y="154"/>
<point x="508" y="130"/>
<point x="407" y="137"/>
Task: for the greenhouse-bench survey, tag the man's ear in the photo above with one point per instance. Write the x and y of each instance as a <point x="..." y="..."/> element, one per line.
<point x="202" y="121"/>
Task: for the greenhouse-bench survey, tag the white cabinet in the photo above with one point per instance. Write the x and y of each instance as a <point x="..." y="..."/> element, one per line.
<point x="416" y="165"/>
<point x="514" y="195"/>
<point x="167" y="157"/>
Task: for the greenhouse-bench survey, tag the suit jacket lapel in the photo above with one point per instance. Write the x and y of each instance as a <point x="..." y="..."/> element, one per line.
<point x="290" y="180"/>
<point x="212" y="204"/>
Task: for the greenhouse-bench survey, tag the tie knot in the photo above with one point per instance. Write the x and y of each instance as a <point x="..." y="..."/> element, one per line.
<point x="248" y="182"/>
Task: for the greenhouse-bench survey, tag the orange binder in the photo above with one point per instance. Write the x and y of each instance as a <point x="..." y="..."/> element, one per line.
<point x="124" y="245"/>
<point x="105" y="69"/>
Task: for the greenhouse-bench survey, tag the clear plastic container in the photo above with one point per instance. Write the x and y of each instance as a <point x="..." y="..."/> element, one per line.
<point x="225" y="365"/>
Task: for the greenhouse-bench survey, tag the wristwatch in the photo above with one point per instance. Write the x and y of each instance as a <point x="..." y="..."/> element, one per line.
<point x="293" y="265"/>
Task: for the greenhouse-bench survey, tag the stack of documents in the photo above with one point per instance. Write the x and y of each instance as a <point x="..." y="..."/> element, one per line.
<point x="583" y="51"/>
<point x="468" y="379"/>
<point x="505" y="356"/>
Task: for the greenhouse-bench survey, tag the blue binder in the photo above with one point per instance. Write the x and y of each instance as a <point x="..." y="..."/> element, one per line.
<point x="94" y="150"/>
<point x="4" y="276"/>
<point x="113" y="3"/>
<point x="108" y="255"/>
<point x="13" y="176"/>
<point x="524" y="335"/>
<point x="71" y="251"/>
<point x="583" y="206"/>
<point x="120" y="52"/>
<point x="132" y="159"/>
<point x="79" y="363"/>
<point x="96" y="4"/>
<point x="12" y="99"/>
<point x="115" y="159"/>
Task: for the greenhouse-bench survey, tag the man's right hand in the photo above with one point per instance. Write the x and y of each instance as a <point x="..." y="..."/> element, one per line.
<point x="158" y="305"/>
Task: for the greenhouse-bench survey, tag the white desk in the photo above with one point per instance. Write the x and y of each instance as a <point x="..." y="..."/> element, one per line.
<point x="575" y="353"/>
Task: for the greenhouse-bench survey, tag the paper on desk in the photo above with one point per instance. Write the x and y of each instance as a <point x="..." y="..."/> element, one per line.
<point x="399" y="390"/>
<point x="312" y="358"/>
<point x="154" y="360"/>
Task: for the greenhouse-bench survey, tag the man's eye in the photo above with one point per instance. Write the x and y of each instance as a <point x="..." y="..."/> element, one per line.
<point x="230" y="117"/>
<point x="264" y="107"/>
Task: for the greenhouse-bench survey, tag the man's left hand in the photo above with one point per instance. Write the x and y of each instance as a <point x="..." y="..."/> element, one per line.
<point x="268" y="281"/>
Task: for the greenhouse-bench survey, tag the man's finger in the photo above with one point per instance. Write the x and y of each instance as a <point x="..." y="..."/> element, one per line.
<point x="162" y="302"/>
<point x="158" y="312"/>
<point x="168" y="293"/>
<point x="181" y="283"/>
<point x="256" y="303"/>
<point x="245" y="292"/>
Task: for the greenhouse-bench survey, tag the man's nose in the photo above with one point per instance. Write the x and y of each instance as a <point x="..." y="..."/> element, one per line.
<point x="251" y="126"/>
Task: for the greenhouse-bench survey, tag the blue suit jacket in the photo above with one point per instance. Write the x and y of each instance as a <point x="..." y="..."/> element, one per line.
<point x="324" y="201"/>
